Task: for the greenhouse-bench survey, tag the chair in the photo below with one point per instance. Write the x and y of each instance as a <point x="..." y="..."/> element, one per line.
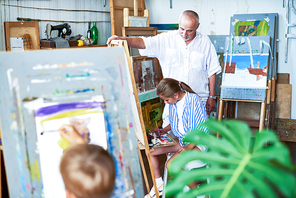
<point x="165" y="174"/>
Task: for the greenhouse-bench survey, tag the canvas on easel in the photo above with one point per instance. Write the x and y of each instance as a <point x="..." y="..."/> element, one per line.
<point x="63" y="81"/>
<point x="244" y="72"/>
<point x="260" y="24"/>
<point x="245" y="68"/>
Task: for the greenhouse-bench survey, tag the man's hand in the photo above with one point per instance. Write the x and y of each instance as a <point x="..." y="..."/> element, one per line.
<point x="114" y="37"/>
<point x="135" y="42"/>
<point x="210" y="105"/>
<point x="70" y="133"/>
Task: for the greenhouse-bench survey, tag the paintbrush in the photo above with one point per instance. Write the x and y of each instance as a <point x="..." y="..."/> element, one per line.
<point x="156" y="125"/>
<point x="52" y="131"/>
<point x="46" y="131"/>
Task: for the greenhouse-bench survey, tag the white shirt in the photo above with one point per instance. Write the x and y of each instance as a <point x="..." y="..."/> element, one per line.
<point x="192" y="64"/>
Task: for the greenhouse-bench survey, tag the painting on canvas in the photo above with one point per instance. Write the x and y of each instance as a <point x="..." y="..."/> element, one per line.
<point x="87" y="118"/>
<point x="245" y="67"/>
<point x="148" y="75"/>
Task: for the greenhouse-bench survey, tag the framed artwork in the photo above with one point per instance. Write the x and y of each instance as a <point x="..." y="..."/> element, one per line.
<point x="147" y="73"/>
<point x="261" y="24"/>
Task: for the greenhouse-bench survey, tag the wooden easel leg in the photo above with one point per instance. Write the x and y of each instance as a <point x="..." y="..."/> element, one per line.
<point x="268" y="106"/>
<point x="220" y="110"/>
<point x="152" y="171"/>
<point x="273" y="102"/>
<point x="144" y="171"/>
<point x="262" y="116"/>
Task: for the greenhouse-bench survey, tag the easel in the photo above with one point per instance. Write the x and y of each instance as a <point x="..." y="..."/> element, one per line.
<point x="111" y="81"/>
<point x="250" y="95"/>
<point x="262" y="111"/>
<point x="267" y="110"/>
<point x="146" y="146"/>
<point x="116" y="13"/>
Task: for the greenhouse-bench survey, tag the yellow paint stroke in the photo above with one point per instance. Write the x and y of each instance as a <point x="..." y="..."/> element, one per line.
<point x="13" y="115"/>
<point x="64" y="143"/>
<point x="35" y="171"/>
<point x="71" y="114"/>
<point x="127" y="124"/>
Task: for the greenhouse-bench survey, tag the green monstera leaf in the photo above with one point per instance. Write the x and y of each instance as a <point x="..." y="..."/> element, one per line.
<point x="238" y="165"/>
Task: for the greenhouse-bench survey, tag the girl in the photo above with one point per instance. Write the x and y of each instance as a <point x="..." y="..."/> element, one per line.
<point x="186" y="112"/>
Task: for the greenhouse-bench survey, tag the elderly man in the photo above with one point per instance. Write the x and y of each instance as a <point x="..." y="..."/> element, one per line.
<point x="185" y="55"/>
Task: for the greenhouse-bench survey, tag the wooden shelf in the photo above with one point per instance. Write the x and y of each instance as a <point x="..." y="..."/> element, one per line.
<point x="139" y="31"/>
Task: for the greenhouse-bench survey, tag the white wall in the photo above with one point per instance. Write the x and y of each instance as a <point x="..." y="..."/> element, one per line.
<point x="215" y="20"/>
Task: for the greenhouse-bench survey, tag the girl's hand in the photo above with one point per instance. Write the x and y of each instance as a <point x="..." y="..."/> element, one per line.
<point x="159" y="132"/>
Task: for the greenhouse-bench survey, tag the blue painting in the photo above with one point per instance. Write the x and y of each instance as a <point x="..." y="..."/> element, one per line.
<point x="245" y="68"/>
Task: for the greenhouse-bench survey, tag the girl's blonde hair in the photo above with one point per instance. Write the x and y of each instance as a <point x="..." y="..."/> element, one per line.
<point x="88" y="171"/>
<point x="167" y="87"/>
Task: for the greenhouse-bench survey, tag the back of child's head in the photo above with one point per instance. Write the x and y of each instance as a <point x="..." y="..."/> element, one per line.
<point x="88" y="171"/>
<point x="167" y="87"/>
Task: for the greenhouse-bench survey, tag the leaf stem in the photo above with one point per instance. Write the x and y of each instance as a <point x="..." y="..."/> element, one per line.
<point x="236" y="175"/>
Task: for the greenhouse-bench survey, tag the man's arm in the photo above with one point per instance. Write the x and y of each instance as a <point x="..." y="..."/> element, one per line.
<point x="135" y="42"/>
<point x="212" y="88"/>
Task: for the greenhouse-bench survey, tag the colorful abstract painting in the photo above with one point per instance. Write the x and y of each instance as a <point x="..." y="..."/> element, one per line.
<point x="260" y="24"/>
<point x="251" y="28"/>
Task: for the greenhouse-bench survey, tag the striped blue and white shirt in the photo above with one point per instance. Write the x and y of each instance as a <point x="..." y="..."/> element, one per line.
<point x="194" y="113"/>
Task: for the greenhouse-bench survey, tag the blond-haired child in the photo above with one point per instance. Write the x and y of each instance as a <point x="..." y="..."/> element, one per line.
<point x="88" y="171"/>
